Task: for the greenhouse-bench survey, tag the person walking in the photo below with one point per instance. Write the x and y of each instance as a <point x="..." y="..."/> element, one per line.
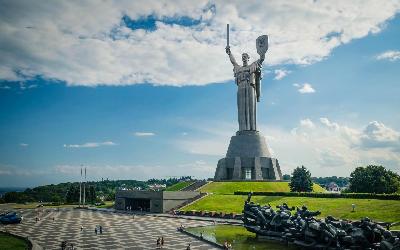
<point x="162" y="242"/>
<point x="188" y="247"/>
<point x="101" y="229"/>
<point x="158" y="242"/>
<point x="226" y="245"/>
<point x="95" y="230"/>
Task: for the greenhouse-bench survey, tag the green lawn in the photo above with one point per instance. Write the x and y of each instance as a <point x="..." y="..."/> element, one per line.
<point x="231" y="187"/>
<point x="379" y="210"/>
<point x="108" y="204"/>
<point x="10" y="242"/>
<point x="31" y="205"/>
<point x="178" y="186"/>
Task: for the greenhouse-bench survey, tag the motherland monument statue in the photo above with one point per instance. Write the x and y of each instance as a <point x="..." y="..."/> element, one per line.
<point x="248" y="157"/>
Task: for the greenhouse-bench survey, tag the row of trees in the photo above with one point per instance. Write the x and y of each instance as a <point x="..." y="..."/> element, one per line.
<point x="69" y="192"/>
<point x="369" y="179"/>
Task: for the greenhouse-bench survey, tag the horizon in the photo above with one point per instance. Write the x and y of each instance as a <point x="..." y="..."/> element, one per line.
<point x="146" y="91"/>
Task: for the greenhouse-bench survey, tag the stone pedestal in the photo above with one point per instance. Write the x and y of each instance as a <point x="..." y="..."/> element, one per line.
<point x="248" y="158"/>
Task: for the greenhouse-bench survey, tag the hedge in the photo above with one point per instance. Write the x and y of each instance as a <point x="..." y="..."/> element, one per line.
<point x="326" y="195"/>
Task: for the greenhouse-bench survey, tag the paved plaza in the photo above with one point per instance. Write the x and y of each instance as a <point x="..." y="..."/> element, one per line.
<point x="120" y="231"/>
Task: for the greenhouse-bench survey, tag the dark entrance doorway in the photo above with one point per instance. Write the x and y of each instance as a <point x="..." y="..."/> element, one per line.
<point x="138" y="204"/>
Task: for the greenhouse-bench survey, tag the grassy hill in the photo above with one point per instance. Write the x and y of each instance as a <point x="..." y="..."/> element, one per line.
<point x="380" y="210"/>
<point x="223" y="200"/>
<point x="178" y="186"/>
<point x="231" y="187"/>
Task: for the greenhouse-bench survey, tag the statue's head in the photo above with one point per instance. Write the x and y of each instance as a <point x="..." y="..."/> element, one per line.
<point x="245" y="58"/>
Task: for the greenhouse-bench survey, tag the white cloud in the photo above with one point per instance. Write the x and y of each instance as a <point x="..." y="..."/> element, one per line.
<point x="11" y="170"/>
<point x="305" y="88"/>
<point x="307" y="123"/>
<point x="280" y="73"/>
<point x="5" y="87"/>
<point x="199" y="169"/>
<point x="5" y="172"/>
<point x="24" y="144"/>
<point x="144" y="134"/>
<point x="326" y="148"/>
<point x="86" y="43"/>
<point x="391" y="55"/>
<point x="334" y="149"/>
<point x="90" y="144"/>
<point x="328" y="123"/>
<point x="377" y="135"/>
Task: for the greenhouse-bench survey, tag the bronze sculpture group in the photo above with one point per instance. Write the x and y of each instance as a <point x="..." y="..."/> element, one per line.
<point x="300" y="227"/>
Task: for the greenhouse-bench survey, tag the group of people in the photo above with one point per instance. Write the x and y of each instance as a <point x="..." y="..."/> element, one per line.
<point x="160" y="242"/>
<point x="66" y="245"/>
<point x="99" y="230"/>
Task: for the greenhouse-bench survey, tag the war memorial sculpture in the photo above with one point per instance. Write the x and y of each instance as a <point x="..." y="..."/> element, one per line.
<point x="299" y="227"/>
<point x="248" y="157"/>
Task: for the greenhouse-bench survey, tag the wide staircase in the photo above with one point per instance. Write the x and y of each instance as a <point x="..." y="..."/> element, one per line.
<point x="189" y="201"/>
<point x="194" y="186"/>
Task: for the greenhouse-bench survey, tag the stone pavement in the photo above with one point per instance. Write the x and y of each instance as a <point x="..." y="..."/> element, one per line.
<point x="120" y="231"/>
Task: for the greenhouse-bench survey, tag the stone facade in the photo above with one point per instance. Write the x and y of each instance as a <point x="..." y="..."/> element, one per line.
<point x="157" y="201"/>
<point x="248" y="158"/>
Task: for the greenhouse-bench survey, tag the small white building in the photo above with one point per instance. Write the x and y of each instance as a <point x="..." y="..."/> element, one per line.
<point x="333" y="187"/>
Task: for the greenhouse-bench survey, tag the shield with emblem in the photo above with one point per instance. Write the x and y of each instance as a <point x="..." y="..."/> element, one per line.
<point x="262" y="44"/>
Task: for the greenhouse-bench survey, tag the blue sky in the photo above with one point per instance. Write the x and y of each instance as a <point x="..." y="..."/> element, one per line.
<point x="146" y="91"/>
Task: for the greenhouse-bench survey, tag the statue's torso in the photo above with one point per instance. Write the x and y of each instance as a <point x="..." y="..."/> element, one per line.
<point x="244" y="76"/>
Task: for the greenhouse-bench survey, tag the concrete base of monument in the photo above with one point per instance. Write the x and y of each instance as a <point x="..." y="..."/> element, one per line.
<point x="248" y="158"/>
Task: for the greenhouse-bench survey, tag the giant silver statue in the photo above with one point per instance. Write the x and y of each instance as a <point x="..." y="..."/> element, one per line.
<point x="248" y="79"/>
<point x="248" y="157"/>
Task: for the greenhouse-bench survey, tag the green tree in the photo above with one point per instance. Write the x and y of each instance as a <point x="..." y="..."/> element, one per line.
<point x="73" y="193"/>
<point x="301" y="180"/>
<point x="92" y="195"/>
<point x="374" y="179"/>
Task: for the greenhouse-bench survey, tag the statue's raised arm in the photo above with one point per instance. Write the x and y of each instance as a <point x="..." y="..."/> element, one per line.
<point x="231" y="57"/>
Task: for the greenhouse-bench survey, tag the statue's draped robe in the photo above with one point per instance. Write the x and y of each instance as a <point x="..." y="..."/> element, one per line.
<point x="247" y="77"/>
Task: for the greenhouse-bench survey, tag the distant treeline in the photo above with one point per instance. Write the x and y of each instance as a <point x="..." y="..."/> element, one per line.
<point x="325" y="181"/>
<point x="69" y="192"/>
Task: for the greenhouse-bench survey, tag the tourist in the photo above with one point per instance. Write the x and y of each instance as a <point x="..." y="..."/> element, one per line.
<point x="226" y="245"/>
<point x="162" y="242"/>
<point x="63" y="245"/>
<point x="201" y="235"/>
<point x="95" y="230"/>
<point x="81" y="228"/>
<point x="188" y="247"/>
<point x="158" y="242"/>
<point x="229" y="245"/>
<point x="101" y="229"/>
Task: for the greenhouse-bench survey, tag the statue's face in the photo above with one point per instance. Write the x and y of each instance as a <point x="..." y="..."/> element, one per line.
<point x="245" y="58"/>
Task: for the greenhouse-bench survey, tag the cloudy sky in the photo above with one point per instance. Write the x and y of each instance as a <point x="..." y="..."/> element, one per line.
<point x="141" y="89"/>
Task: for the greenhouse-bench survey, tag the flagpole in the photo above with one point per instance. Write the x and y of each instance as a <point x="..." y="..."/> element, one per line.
<point x="84" y="190"/>
<point x="80" y="189"/>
